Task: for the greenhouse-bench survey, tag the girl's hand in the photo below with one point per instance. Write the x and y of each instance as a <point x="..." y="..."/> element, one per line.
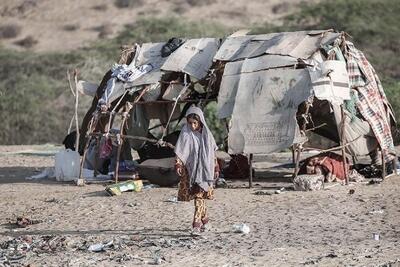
<point x="179" y="171"/>
<point x="216" y="175"/>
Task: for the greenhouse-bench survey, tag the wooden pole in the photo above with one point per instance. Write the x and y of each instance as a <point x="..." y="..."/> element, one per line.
<point x="76" y="109"/>
<point x="251" y="170"/>
<point x="342" y="142"/>
<point x="297" y="162"/>
<point x="383" y="164"/>
<point x="81" y="180"/>
<point x="293" y="156"/>
<point x="120" y="142"/>
<point x="96" y="156"/>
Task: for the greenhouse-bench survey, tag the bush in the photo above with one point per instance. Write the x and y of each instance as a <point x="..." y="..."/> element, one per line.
<point x="9" y="31"/>
<point x="102" y="7"/>
<point x="71" y="27"/>
<point x="27" y="42"/>
<point x="127" y="3"/>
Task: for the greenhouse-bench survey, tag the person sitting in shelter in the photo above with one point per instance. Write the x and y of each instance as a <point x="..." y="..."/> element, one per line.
<point x="196" y="165"/>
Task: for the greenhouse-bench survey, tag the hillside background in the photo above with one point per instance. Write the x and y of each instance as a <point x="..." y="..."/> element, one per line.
<point x="41" y="39"/>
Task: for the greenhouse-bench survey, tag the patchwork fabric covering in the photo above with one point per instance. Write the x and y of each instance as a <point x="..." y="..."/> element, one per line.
<point x="266" y="87"/>
<point x="372" y="102"/>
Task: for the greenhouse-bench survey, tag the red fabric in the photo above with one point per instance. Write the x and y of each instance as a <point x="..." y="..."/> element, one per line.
<point x="329" y="163"/>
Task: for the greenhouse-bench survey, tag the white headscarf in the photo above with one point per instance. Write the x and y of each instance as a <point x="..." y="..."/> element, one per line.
<point x="197" y="152"/>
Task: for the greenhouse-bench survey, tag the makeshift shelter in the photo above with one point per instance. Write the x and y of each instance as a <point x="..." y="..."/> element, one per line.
<point x="273" y="88"/>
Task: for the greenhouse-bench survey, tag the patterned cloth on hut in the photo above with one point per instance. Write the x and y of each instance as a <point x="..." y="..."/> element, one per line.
<point x="372" y="102"/>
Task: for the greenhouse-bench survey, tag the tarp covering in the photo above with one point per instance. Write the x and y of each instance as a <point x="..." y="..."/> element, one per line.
<point x="265" y="78"/>
<point x="231" y="77"/>
<point x="194" y="57"/>
<point x="263" y="118"/>
<point x="300" y="44"/>
<point x="150" y="53"/>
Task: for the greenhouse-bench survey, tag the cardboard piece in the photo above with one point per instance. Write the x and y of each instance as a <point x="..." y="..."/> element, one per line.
<point x="194" y="57"/>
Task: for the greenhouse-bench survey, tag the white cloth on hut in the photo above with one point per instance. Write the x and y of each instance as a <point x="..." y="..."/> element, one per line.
<point x="121" y="74"/>
<point x="150" y="53"/>
<point x="264" y="115"/>
<point x="330" y="81"/>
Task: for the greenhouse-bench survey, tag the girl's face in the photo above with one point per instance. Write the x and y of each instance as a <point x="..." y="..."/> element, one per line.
<point x="194" y="124"/>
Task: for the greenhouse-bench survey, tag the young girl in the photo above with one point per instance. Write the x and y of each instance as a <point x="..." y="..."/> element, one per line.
<point x="196" y="165"/>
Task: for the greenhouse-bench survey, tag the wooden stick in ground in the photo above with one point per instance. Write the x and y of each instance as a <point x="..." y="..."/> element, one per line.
<point x="297" y="161"/>
<point x="81" y="180"/>
<point x="125" y="115"/>
<point x="342" y="144"/>
<point x="76" y="109"/>
<point x="383" y="164"/>
<point x="299" y="147"/>
<point x="251" y="170"/>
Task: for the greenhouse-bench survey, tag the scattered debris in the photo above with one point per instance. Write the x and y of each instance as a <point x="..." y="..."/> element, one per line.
<point x="351" y="191"/>
<point x="45" y="174"/>
<point x="100" y="246"/>
<point x="375" y="236"/>
<point x="241" y="228"/>
<point x="307" y="182"/>
<point x="221" y="182"/>
<point x="376" y="212"/>
<point x="355" y="176"/>
<point x="375" y="181"/>
<point x="173" y="199"/>
<point x="268" y="193"/>
<point x="280" y="191"/>
<point x="24" y="222"/>
<point x="118" y="188"/>
<point x="150" y="186"/>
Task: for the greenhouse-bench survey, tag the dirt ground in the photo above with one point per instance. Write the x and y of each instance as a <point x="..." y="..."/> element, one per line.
<point x="323" y="228"/>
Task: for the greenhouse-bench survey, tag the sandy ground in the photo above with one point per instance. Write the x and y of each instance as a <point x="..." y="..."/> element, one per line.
<point x="322" y="228"/>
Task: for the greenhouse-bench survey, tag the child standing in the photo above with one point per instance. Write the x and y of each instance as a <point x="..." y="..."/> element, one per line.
<point x="196" y="165"/>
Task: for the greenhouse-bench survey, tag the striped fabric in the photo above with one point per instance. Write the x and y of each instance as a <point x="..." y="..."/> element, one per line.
<point x="372" y="102"/>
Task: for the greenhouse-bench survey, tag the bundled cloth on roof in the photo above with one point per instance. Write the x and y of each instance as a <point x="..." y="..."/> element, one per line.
<point x="121" y="74"/>
<point x="149" y="54"/>
<point x="172" y="44"/>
